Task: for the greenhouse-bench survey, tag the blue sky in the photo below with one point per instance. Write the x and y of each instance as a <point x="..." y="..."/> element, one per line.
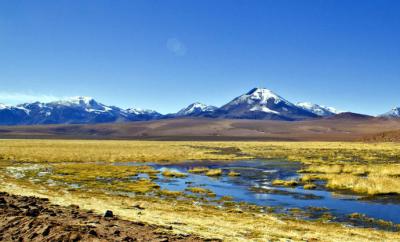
<point x="165" y="54"/>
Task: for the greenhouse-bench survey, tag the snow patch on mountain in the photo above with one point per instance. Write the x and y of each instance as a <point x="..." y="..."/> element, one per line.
<point x="261" y="96"/>
<point x="319" y="110"/>
<point x="263" y="109"/>
<point x="89" y="104"/>
<point x="10" y="107"/>
<point x="4" y="106"/>
<point x="139" y="111"/>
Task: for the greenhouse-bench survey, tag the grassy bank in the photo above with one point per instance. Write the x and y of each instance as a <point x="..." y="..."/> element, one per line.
<point x="371" y="179"/>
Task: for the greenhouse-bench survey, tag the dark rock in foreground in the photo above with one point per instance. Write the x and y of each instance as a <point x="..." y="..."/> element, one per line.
<point x="35" y="219"/>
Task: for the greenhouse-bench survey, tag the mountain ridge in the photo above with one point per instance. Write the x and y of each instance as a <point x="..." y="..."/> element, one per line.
<point x="76" y="110"/>
<point x="317" y="109"/>
<point x="258" y="103"/>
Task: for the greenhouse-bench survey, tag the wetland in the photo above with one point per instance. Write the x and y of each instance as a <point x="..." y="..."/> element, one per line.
<point x="259" y="190"/>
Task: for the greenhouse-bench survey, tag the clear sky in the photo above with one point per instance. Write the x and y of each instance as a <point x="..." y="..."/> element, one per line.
<point x="164" y="55"/>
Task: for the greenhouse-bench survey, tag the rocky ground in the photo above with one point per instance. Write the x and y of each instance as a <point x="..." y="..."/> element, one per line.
<point x="36" y="219"/>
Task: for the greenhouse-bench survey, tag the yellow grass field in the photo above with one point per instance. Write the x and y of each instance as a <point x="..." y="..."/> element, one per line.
<point x="104" y="150"/>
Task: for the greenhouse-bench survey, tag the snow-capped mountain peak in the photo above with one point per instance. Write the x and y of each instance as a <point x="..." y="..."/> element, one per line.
<point x="262" y="103"/>
<point x="198" y="105"/>
<point x="196" y="109"/>
<point x="261" y="96"/>
<point x="319" y="110"/>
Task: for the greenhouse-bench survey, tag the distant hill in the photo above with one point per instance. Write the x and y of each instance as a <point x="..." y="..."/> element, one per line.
<point x="350" y="116"/>
<point x="198" y="128"/>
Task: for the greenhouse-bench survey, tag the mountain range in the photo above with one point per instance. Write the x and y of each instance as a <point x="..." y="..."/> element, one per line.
<point x="71" y="111"/>
<point x="258" y="103"/>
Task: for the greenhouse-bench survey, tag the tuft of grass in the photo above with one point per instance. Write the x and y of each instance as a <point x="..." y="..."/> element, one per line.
<point x="176" y="174"/>
<point x="200" y="190"/>
<point x="225" y="198"/>
<point x="169" y="193"/>
<point x="309" y="186"/>
<point x="214" y="172"/>
<point x="371" y="179"/>
<point x="308" y="178"/>
<point x="141" y="186"/>
<point x="371" y="185"/>
<point x="233" y="173"/>
<point x="356" y="215"/>
<point x="198" y="170"/>
<point x="290" y="183"/>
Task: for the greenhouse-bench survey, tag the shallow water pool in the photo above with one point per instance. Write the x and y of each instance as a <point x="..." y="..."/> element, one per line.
<point x="254" y="185"/>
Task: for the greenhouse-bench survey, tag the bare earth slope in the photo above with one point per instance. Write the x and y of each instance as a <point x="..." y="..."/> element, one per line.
<point x="387" y="136"/>
<point x="341" y="128"/>
<point x="35" y="219"/>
